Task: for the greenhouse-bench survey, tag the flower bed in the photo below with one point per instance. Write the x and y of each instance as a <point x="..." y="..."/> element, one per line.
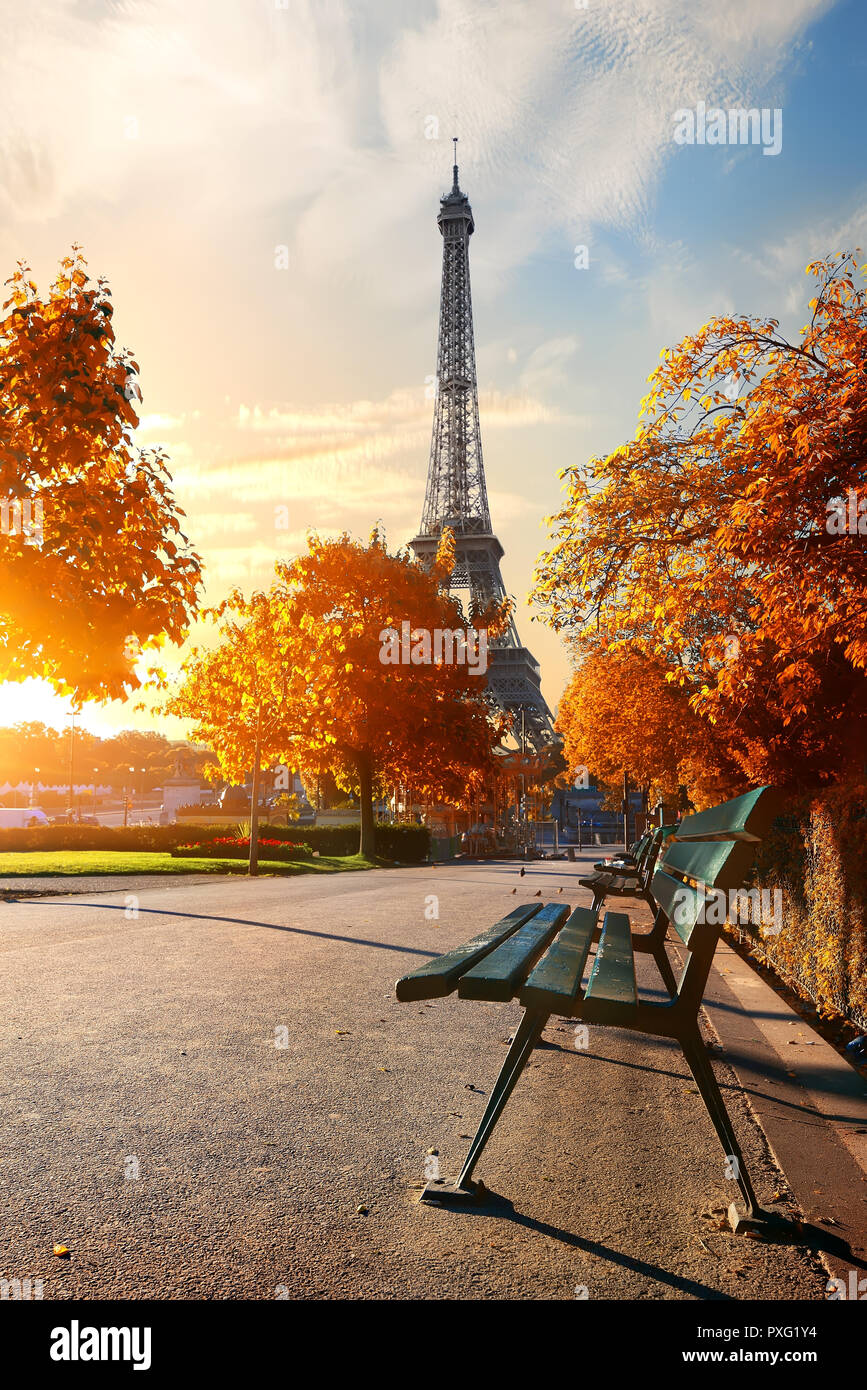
<point x="238" y="847"/>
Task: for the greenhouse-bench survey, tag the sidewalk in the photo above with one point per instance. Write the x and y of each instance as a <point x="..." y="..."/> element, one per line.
<point x="810" y="1103"/>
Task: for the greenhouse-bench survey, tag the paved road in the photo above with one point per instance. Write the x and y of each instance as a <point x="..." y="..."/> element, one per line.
<point x="148" y="1044"/>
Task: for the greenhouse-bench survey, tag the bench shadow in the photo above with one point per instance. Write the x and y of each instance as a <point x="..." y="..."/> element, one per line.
<point x="715" y="1055"/>
<point x="804" y="1235"/>
<point x="501" y="1208"/>
<point x="245" y="922"/>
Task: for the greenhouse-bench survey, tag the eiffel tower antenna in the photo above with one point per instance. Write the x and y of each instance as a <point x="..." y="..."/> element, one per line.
<point x="456" y="494"/>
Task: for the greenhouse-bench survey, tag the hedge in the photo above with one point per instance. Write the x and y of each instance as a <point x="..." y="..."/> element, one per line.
<point x="151" y="838"/>
<point x="817" y="858"/>
<point x="409" y="844"/>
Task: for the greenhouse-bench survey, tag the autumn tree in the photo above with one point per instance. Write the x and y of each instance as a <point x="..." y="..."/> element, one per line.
<point x="236" y="693"/>
<point x="94" y="565"/>
<point x="314" y="655"/>
<point x="713" y="545"/>
<point x="619" y="715"/>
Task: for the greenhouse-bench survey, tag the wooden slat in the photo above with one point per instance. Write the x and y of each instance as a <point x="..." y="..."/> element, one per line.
<point x="440" y="976"/>
<point x="680" y="903"/>
<point x="718" y="863"/>
<point x="613" y="973"/>
<point x="554" y="984"/>
<point x="610" y="881"/>
<point x="747" y="817"/>
<point x="500" y="973"/>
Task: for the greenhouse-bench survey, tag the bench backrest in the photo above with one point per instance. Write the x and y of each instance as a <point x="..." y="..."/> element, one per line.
<point x="646" y="865"/>
<point x="639" y="847"/>
<point x="710" y="858"/>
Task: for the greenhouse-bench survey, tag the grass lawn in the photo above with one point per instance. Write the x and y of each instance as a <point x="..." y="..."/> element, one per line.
<point x="58" y="863"/>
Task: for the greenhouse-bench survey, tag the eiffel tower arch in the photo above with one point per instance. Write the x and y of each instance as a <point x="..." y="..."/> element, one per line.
<point x="457" y="495"/>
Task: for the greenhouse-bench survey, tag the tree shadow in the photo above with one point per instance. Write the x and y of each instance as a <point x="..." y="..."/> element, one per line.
<point x="245" y="922"/>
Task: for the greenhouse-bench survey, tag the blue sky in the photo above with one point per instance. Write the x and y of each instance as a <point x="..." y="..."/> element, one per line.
<point x="183" y="143"/>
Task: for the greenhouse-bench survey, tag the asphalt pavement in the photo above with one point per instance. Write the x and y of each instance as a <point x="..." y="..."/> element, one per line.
<point x="211" y="1092"/>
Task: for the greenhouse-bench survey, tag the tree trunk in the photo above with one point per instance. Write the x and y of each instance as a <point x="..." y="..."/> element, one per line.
<point x="367" y="846"/>
<point x="253" y="867"/>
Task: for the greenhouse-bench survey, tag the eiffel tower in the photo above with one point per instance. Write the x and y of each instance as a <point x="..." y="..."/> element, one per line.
<point x="456" y="494"/>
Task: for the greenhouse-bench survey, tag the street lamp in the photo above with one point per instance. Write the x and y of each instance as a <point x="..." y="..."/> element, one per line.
<point x="33" y="785"/>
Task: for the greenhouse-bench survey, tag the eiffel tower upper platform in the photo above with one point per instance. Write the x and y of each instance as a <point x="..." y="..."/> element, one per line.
<point x="456" y="493"/>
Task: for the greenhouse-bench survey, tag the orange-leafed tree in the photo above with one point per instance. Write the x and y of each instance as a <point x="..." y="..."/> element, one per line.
<point x="236" y="694"/>
<point x="619" y="715"/>
<point x="94" y="565"/>
<point x="720" y="540"/>
<point x="330" y="699"/>
<point x="339" y="607"/>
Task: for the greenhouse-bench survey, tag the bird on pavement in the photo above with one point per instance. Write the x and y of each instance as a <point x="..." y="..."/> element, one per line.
<point x="523" y="871"/>
<point x="559" y="890"/>
<point x="514" y="890"/>
<point x="538" y="895"/>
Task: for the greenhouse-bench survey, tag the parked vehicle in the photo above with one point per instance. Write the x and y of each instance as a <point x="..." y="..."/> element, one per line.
<point x="21" y="817"/>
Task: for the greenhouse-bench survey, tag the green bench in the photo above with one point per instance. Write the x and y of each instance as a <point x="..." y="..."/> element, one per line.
<point x="540" y="955"/>
<point x="627" y="859"/>
<point x="628" y="882"/>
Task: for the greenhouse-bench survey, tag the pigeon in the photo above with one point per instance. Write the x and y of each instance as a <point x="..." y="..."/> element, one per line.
<point x="538" y="895"/>
<point x="523" y="871"/>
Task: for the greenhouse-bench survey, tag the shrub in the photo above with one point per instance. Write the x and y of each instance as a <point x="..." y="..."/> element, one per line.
<point x="407" y="843"/>
<point x="238" y="847"/>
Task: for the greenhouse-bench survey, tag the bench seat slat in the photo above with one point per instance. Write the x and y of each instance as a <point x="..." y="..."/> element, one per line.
<point x="613" y="973"/>
<point x="611" y="881"/>
<point x="439" y="977"/>
<point x="499" y="974"/>
<point x="554" y="984"/>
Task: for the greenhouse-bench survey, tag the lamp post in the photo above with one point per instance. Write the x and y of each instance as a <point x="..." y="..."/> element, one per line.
<point x="33" y="785"/>
<point x="626" y="810"/>
<point x="72" y="715"/>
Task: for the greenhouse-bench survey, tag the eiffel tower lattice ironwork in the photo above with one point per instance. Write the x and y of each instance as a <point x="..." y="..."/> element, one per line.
<point x="456" y="494"/>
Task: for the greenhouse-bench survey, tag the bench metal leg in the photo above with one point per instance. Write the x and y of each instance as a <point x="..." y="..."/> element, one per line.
<point x="695" y="1052"/>
<point x="525" y="1039"/>
<point x="663" y="965"/>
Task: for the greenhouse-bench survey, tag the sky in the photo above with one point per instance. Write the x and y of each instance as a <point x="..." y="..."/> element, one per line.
<point x="259" y="182"/>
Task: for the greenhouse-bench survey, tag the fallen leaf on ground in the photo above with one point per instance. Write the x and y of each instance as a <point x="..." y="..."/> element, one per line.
<point x="61" y="1250"/>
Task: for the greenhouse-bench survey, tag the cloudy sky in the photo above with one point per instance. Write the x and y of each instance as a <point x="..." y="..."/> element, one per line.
<point x="259" y="181"/>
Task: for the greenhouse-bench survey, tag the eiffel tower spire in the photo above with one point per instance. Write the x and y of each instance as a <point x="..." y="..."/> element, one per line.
<point x="456" y="494"/>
